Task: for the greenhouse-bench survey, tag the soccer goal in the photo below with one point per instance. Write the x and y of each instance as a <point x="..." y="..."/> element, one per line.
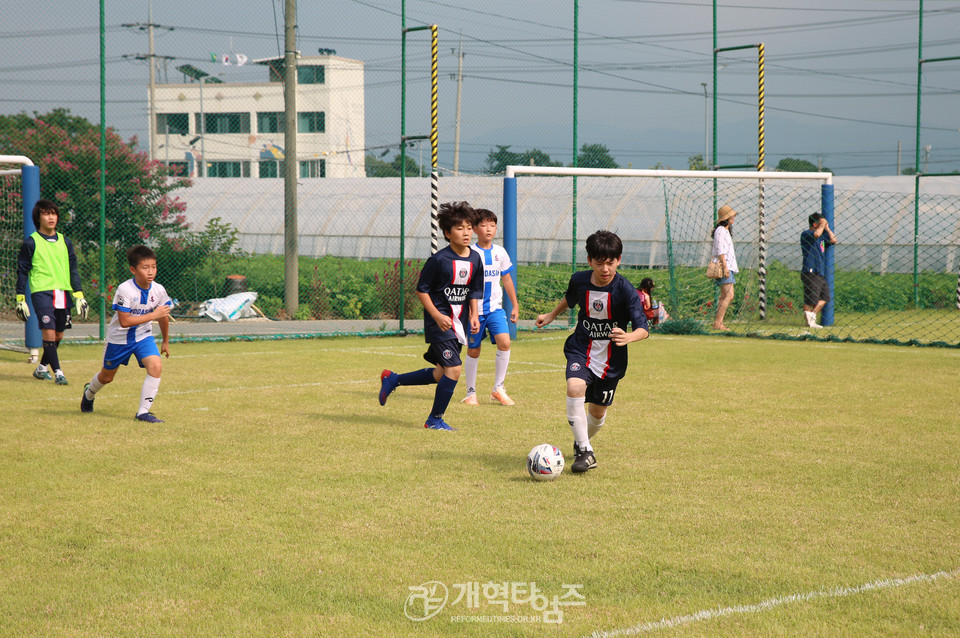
<point x="665" y="219"/>
<point x="19" y="191"/>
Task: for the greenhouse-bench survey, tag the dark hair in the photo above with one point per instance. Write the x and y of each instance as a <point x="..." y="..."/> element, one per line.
<point x="646" y="284"/>
<point x="484" y="215"/>
<point x="604" y="245"/>
<point x="453" y="213"/>
<point x="725" y="223"/>
<point x="813" y="219"/>
<point x="43" y="204"/>
<point x="139" y="253"/>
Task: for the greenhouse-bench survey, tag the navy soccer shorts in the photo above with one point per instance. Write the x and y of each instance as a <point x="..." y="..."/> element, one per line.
<point x="48" y="316"/>
<point x="445" y="354"/>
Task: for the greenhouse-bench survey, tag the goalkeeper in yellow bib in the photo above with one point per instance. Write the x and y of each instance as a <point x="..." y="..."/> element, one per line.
<point x="47" y="261"/>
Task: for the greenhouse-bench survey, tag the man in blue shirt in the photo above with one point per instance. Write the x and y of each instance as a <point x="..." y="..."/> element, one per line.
<point x="813" y="245"/>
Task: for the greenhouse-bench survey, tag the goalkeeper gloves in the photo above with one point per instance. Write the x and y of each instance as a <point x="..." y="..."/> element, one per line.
<point x="82" y="307"/>
<point x="23" y="310"/>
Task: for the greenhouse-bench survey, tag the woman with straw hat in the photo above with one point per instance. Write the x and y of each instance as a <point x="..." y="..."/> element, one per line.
<point x="724" y="255"/>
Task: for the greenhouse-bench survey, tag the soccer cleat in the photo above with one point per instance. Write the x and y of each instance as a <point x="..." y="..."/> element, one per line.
<point x="576" y="449"/>
<point x="148" y="417"/>
<point x="43" y="375"/>
<point x="86" y="405"/>
<point x="811" y="318"/>
<point x="500" y="396"/>
<point x="388" y="383"/>
<point x="585" y="460"/>
<point x="438" y="424"/>
<point x="470" y="399"/>
<point x="61" y="380"/>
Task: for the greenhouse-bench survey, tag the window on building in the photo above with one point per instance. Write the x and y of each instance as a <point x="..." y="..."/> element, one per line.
<point x="311" y="74"/>
<point x="313" y="168"/>
<point x="224" y="123"/>
<point x="178" y="123"/>
<point x="311" y="122"/>
<point x="270" y="168"/>
<point x="228" y="169"/>
<point x="270" y="123"/>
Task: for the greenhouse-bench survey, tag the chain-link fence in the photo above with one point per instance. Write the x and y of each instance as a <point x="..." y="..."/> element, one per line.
<point x="887" y="288"/>
<point x="193" y="99"/>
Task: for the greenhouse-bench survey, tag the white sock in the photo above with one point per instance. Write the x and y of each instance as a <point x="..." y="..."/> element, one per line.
<point x="148" y="393"/>
<point x="500" y="368"/>
<point x="470" y="368"/>
<point x="95" y="386"/>
<point x="41" y="368"/>
<point x="577" y="417"/>
<point x="58" y="372"/>
<point x="594" y="424"/>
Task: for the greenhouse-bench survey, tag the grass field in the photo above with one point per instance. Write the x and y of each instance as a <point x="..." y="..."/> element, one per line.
<point x="744" y="487"/>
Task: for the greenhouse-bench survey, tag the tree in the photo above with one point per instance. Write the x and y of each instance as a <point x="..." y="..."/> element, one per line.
<point x="595" y="156"/>
<point x="696" y="163"/>
<point x="499" y="160"/>
<point x="793" y="165"/>
<point x="141" y="207"/>
<point x="378" y="168"/>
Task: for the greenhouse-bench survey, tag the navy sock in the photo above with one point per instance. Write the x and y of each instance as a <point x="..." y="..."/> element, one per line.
<point x="441" y="399"/>
<point x="417" y="377"/>
<point x="50" y="354"/>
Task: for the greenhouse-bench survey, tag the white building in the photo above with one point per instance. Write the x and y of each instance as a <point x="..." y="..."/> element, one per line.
<point x="241" y="131"/>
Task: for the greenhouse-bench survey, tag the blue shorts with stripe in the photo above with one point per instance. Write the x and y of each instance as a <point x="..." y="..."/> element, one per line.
<point x="118" y="354"/>
<point x="495" y="323"/>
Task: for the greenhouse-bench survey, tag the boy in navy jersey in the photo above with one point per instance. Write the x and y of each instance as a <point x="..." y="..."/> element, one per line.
<point x="450" y="284"/>
<point x="138" y="302"/>
<point x="596" y="351"/>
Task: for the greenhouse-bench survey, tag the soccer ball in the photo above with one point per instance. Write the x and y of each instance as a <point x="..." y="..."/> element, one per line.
<point x="545" y="462"/>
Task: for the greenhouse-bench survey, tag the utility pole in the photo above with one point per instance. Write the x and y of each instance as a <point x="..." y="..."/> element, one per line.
<point x="151" y="58"/>
<point x="706" y="125"/>
<point x="899" y="145"/>
<point x="456" y="135"/>
<point x="153" y="80"/>
<point x="291" y="285"/>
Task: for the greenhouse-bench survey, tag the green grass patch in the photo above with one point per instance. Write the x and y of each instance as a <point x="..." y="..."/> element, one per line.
<point x="279" y="498"/>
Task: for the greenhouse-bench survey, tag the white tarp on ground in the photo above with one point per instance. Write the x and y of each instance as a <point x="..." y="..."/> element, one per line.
<point x="230" y="308"/>
<point x="361" y="217"/>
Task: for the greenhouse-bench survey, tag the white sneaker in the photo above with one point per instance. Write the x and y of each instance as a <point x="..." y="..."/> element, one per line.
<point x="811" y="318"/>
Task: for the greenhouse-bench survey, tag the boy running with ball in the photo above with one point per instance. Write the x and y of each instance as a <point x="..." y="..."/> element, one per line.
<point x="596" y="352"/>
<point x="450" y="284"/>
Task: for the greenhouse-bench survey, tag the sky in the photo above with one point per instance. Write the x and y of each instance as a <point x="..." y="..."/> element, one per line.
<point x="840" y="76"/>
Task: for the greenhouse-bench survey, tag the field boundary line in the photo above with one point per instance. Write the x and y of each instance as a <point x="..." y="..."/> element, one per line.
<point x="770" y="603"/>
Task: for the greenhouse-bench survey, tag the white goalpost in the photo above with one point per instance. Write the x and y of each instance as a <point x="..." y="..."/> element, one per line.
<point x="665" y="218"/>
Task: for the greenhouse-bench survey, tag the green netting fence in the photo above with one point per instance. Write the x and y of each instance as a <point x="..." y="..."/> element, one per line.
<point x="217" y="237"/>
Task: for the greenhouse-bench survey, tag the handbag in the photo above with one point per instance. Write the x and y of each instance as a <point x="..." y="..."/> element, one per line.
<point x="715" y="270"/>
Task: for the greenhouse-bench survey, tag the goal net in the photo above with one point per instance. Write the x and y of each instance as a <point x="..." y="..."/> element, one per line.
<point x="665" y="219"/>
